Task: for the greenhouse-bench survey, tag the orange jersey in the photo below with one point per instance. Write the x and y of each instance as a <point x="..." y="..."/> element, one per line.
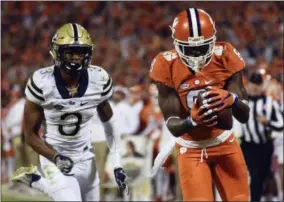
<point x="168" y="69"/>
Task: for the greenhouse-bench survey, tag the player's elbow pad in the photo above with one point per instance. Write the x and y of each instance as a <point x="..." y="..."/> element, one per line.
<point x="175" y="126"/>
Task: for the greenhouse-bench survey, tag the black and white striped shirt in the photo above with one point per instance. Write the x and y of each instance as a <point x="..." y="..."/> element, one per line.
<point x="256" y="132"/>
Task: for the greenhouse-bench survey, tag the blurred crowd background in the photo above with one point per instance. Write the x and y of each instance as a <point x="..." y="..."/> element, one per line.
<point x="127" y="36"/>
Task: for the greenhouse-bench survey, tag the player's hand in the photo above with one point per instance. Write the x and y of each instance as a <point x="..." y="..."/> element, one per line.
<point x="121" y="179"/>
<point x="203" y="116"/>
<point x="262" y="119"/>
<point x="218" y="99"/>
<point x="64" y="163"/>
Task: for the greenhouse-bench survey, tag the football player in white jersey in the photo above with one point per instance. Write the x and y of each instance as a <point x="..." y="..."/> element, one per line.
<point x="65" y="97"/>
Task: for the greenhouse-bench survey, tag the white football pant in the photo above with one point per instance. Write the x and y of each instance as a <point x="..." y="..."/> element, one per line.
<point x="81" y="185"/>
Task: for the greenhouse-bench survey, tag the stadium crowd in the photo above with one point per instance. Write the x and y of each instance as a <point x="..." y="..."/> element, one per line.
<point x="128" y="35"/>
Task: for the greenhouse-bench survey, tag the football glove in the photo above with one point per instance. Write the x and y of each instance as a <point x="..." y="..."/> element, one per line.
<point x="202" y="116"/>
<point x="219" y="97"/>
<point x="121" y="179"/>
<point x="64" y="163"/>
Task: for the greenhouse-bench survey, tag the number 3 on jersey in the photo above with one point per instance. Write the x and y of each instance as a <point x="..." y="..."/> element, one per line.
<point x="71" y="129"/>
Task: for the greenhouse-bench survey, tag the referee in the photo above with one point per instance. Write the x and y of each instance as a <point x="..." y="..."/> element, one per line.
<point x="257" y="144"/>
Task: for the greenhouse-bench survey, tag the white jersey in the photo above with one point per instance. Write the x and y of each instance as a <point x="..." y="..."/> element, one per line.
<point x="67" y="119"/>
<point x="14" y="123"/>
<point x="122" y="114"/>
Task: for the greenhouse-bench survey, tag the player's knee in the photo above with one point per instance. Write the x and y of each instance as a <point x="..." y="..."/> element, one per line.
<point x="55" y="178"/>
<point x="58" y="181"/>
<point x="65" y="188"/>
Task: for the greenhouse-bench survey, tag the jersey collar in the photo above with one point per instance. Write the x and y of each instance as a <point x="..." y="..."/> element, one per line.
<point x="61" y="84"/>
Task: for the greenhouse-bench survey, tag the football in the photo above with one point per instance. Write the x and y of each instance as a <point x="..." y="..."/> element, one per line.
<point x="224" y="117"/>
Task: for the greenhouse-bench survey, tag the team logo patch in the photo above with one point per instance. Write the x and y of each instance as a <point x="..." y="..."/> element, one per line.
<point x="196" y="82"/>
<point x="58" y="107"/>
<point x="184" y="86"/>
<point x="71" y="102"/>
<point x="169" y="56"/>
<point x="218" y="50"/>
<point x="182" y="150"/>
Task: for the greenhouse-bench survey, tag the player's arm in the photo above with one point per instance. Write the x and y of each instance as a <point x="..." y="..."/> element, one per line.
<point x="113" y="140"/>
<point x="240" y="106"/>
<point x="171" y="107"/>
<point x="33" y="117"/>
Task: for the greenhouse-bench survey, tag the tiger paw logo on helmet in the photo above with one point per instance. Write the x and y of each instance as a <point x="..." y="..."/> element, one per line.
<point x="194" y="35"/>
<point x="174" y="25"/>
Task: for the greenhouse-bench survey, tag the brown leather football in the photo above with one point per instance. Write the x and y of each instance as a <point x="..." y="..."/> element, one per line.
<point x="225" y="117"/>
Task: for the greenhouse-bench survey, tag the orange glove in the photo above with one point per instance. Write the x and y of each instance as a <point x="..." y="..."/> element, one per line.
<point x="202" y="116"/>
<point x="218" y="98"/>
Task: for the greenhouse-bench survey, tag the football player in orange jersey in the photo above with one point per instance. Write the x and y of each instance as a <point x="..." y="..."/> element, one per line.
<point x="198" y="62"/>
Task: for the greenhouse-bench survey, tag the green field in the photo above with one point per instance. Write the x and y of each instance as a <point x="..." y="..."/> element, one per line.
<point x="19" y="197"/>
<point x="14" y="195"/>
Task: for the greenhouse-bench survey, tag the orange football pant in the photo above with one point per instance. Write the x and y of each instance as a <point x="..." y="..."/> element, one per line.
<point x="225" y="166"/>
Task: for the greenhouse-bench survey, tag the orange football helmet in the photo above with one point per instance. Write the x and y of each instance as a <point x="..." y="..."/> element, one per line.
<point x="194" y="34"/>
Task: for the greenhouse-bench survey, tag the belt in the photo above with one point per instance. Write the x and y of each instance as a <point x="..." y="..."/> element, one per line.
<point x="203" y="144"/>
<point x="168" y="148"/>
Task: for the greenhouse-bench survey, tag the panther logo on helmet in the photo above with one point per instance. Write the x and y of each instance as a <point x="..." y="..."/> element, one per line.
<point x="194" y="37"/>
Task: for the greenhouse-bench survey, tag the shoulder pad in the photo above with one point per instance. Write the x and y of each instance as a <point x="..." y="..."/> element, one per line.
<point x="231" y="58"/>
<point x="160" y="68"/>
<point x="99" y="76"/>
<point x="34" y="91"/>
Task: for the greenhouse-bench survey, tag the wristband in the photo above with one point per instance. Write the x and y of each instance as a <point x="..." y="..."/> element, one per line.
<point x="190" y="121"/>
<point x="236" y="99"/>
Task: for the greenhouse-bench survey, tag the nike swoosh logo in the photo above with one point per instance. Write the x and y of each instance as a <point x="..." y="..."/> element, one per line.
<point x="208" y="82"/>
<point x="232" y="140"/>
<point x="83" y="103"/>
